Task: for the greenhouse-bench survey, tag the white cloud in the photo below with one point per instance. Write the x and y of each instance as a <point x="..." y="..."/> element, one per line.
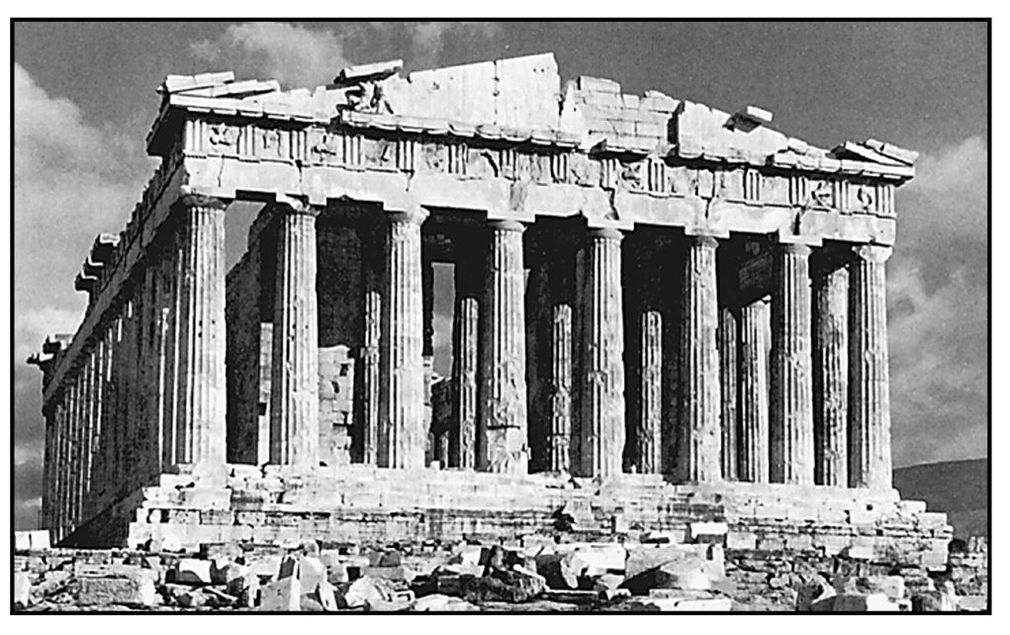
<point x="301" y="57"/>
<point x="948" y="194"/>
<point x="72" y="180"/>
<point x="295" y="56"/>
<point x="956" y="166"/>
<point x="937" y="300"/>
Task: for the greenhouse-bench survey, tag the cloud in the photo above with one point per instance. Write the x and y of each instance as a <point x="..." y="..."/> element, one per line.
<point x="72" y="180"/>
<point x="937" y="299"/>
<point x="427" y="41"/>
<point x="293" y="55"/>
<point x="303" y="57"/>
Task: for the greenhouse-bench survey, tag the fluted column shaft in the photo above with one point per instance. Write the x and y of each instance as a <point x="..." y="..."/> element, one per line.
<point x="559" y="425"/>
<point x="753" y="370"/>
<point x="699" y="439"/>
<point x="648" y="439"/>
<point x="602" y="434"/>
<point x="831" y="376"/>
<point x="294" y="378"/>
<point x="727" y="336"/>
<point x="502" y="443"/>
<point x="200" y="433"/>
<point x="792" y="421"/>
<point x="372" y="248"/>
<point x="466" y="318"/>
<point x="869" y="397"/>
<point x="166" y="316"/>
<point x="400" y="441"/>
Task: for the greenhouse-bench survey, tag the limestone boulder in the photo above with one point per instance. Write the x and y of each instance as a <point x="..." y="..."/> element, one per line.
<point x="439" y="602"/>
<point x="515" y="586"/>
<point x="561" y="570"/>
<point x="366" y="590"/>
<point x="283" y="594"/>
<point x="686" y="570"/>
<point x="812" y="589"/>
<point x="667" y="600"/>
<point x="642" y="557"/>
<point x="469" y="555"/>
<point x="192" y="571"/>
<point x="311" y="573"/>
<point x="22" y="590"/>
<point x="599" y="558"/>
<point x="133" y="591"/>
<point x="855" y="603"/>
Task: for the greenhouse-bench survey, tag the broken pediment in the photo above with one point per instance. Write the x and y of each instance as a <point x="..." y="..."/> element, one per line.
<point x="523" y="97"/>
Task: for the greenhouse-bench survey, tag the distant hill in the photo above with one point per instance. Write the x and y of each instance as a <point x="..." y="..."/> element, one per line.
<point x="959" y="488"/>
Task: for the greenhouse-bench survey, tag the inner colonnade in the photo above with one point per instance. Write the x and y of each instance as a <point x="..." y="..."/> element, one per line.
<point x="596" y="350"/>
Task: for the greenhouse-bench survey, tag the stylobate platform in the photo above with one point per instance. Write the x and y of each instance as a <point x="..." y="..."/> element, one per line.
<point x="370" y="506"/>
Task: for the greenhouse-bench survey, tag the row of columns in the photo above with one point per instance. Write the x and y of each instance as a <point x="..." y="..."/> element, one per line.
<point x="736" y="421"/>
<point x="166" y="344"/>
<point x="147" y="390"/>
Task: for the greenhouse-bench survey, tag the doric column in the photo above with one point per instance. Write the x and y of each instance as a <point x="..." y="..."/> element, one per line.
<point x="166" y="352"/>
<point x="200" y="432"/>
<point x="465" y="343"/>
<point x="130" y="387"/>
<point x="501" y="436"/>
<point x="559" y="424"/>
<point x="648" y="423"/>
<point x="727" y="336"/>
<point x="401" y="432"/>
<point x="831" y="375"/>
<point x="76" y="456"/>
<point x="792" y="421"/>
<point x="753" y="369"/>
<point x="294" y="377"/>
<point x="87" y="433"/>
<point x="372" y="250"/>
<point x="602" y="433"/>
<point x="699" y="441"/>
<point x="869" y="396"/>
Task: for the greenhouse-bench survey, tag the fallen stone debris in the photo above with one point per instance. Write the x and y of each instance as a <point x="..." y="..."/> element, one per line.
<point x="652" y="574"/>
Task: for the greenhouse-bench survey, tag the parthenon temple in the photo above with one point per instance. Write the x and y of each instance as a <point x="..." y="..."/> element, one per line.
<point x="662" y="311"/>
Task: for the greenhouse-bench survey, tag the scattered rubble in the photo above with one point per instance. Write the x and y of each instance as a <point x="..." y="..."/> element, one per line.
<point x="653" y="573"/>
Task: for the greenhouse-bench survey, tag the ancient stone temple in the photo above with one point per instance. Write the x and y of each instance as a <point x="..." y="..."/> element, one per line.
<point x="664" y="313"/>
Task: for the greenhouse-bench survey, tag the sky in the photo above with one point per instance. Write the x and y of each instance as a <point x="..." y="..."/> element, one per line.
<point x="84" y="100"/>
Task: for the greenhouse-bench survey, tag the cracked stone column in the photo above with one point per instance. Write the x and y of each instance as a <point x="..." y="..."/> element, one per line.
<point x="792" y="415"/>
<point x="869" y="396"/>
<point x="831" y="376"/>
<point x="402" y="430"/>
<point x="699" y="441"/>
<point x="602" y="434"/>
<point x="372" y="247"/>
<point x="727" y="336"/>
<point x="753" y="369"/>
<point x="200" y="434"/>
<point x="466" y="317"/>
<point x="559" y="425"/>
<point x="294" y="377"/>
<point x="502" y="443"/>
<point x="648" y="439"/>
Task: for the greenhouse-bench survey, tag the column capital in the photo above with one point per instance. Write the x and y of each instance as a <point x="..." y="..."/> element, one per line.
<point x="873" y="253"/>
<point x="608" y="233"/>
<point x="797" y="248"/>
<point x="703" y="240"/>
<point x="294" y="205"/>
<point x="415" y="214"/>
<point x="784" y="238"/>
<point x="506" y="224"/>
<point x="191" y="200"/>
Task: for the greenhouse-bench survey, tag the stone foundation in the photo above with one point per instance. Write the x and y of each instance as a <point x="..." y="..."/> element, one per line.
<point x="370" y="506"/>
